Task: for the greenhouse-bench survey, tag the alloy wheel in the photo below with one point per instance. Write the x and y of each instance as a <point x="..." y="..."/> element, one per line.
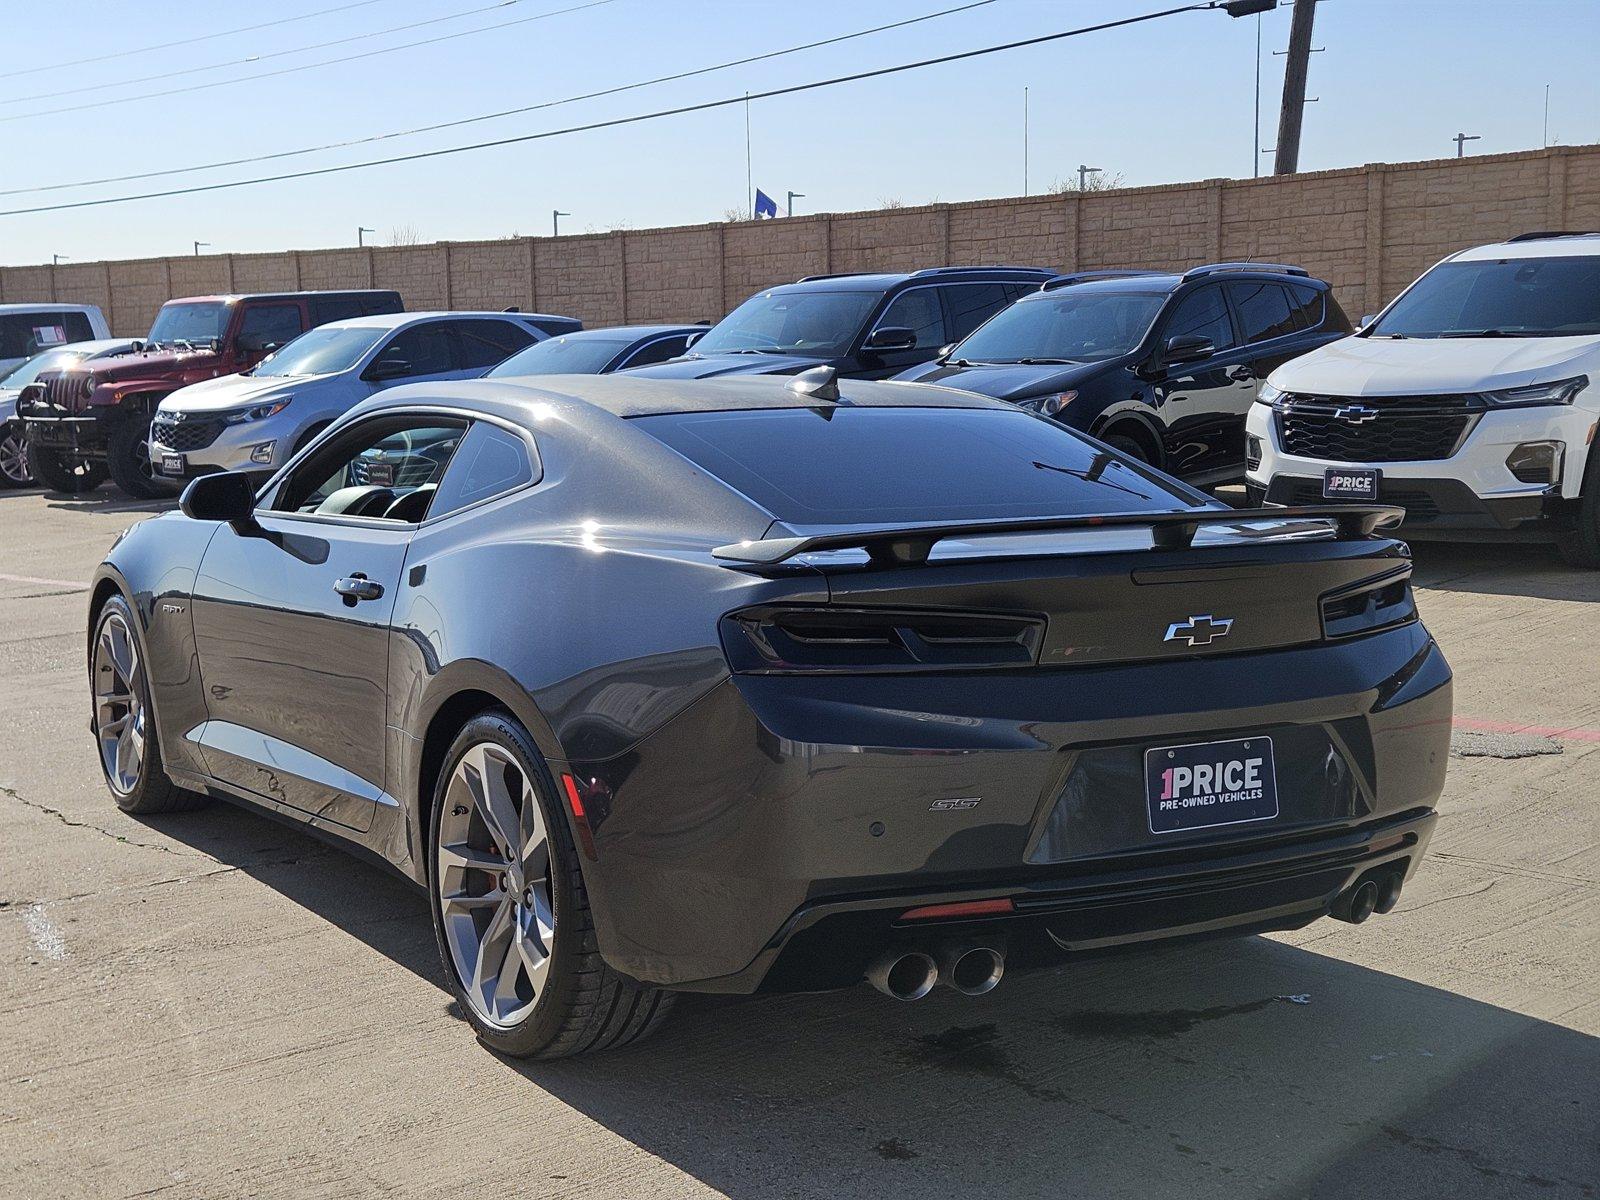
<point x="14" y="458"/>
<point x="119" y="709"/>
<point x="493" y="873"/>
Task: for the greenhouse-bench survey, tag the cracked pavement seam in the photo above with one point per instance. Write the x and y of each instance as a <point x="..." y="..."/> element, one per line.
<point x="12" y="793"/>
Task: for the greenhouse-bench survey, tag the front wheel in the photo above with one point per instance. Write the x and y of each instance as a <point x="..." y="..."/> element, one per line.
<point x="14" y="469"/>
<point x="1130" y="446"/>
<point x="510" y="910"/>
<point x="128" y="455"/>
<point x="60" y="472"/>
<point x="1580" y="546"/>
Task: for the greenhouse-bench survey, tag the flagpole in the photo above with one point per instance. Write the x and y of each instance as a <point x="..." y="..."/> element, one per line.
<point x="749" y="177"/>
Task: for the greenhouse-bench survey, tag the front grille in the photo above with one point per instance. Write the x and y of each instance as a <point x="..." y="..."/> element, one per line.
<point x="65" y="391"/>
<point x="1419" y="505"/>
<point x="1376" y="429"/>
<point x="183" y="436"/>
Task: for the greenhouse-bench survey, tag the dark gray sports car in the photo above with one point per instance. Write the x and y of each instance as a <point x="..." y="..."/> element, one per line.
<point x="775" y="684"/>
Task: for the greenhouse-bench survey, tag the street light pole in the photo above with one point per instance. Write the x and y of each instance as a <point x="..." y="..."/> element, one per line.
<point x="793" y="196"/>
<point x="1461" y="140"/>
<point x="57" y="258"/>
<point x="360" y="230"/>
<point x="1024" y="141"/>
<point x="197" y="246"/>
<point x="1083" y="176"/>
<point x="555" y="221"/>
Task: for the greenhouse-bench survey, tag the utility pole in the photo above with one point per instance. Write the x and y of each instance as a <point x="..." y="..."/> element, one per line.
<point x="360" y="231"/>
<point x="555" y="221"/>
<point x="197" y="246"/>
<point x="1255" y="130"/>
<point x="1547" y="114"/>
<point x="1294" y="88"/>
<point x="1083" y="176"/>
<point x="1461" y="140"/>
<point x="793" y="196"/>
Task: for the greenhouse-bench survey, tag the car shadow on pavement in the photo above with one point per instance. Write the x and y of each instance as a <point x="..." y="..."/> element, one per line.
<point x="105" y="500"/>
<point x="1235" y="1068"/>
<point x="1487" y="569"/>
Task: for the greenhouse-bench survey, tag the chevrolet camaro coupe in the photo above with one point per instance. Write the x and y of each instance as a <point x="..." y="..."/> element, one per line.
<point x="774" y="684"/>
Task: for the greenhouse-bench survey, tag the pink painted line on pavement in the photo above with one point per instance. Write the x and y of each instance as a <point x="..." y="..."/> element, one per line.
<point x="65" y="583"/>
<point x="1572" y="734"/>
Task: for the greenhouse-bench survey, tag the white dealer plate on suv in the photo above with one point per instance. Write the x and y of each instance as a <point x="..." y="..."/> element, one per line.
<point x="1210" y="783"/>
<point x="1350" y="483"/>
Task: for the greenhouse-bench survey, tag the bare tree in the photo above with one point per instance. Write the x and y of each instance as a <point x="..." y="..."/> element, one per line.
<point x="1097" y="181"/>
<point x="891" y="202"/>
<point x="734" y="215"/>
<point x="405" y="235"/>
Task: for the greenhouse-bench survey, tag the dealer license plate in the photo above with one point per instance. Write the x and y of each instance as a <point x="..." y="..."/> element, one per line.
<point x="1210" y="783"/>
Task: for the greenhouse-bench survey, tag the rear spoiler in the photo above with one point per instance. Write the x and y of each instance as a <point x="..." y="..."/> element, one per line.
<point x="910" y="545"/>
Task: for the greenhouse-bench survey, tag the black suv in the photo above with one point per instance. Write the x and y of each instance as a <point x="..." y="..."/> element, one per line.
<point x="864" y="326"/>
<point x="1162" y="366"/>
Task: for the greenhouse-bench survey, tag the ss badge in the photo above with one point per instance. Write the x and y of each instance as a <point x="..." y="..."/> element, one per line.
<point x="955" y="804"/>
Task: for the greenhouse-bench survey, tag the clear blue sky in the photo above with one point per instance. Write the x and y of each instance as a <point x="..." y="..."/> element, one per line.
<point x="1160" y="102"/>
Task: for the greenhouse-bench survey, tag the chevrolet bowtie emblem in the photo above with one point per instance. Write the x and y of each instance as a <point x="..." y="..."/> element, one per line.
<point x="1355" y="414"/>
<point x="1199" y="631"/>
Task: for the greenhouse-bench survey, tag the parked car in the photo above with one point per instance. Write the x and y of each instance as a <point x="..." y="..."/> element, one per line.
<point x="768" y="684"/>
<point x="865" y="326"/>
<point x="259" y="419"/>
<point x="600" y="351"/>
<point x="1162" y="366"/>
<point x="1470" y="401"/>
<point x="83" y="422"/>
<point x="14" y="469"/>
<point x="26" y="329"/>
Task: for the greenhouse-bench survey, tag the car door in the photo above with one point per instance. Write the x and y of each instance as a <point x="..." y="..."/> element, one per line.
<point x="1202" y="402"/>
<point x="291" y="620"/>
<point x="417" y="354"/>
<point x="917" y="309"/>
<point x="656" y="350"/>
<point x="263" y="328"/>
<point x="484" y="342"/>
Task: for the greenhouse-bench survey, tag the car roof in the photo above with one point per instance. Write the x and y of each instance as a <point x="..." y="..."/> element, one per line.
<point x="401" y="319"/>
<point x="234" y="297"/>
<point x="1550" y="245"/>
<point x="47" y="307"/>
<point x="523" y="399"/>
<point x="619" y="332"/>
<point x="882" y="281"/>
<point x="1156" y="281"/>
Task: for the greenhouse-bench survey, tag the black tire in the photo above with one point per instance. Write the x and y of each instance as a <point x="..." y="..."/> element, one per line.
<point x="583" y="1005"/>
<point x="306" y="438"/>
<point x="58" y="472"/>
<point x="1580" y="545"/>
<point x="128" y="456"/>
<point x="1125" y="444"/>
<point x="14" y="469"/>
<point x="148" y="790"/>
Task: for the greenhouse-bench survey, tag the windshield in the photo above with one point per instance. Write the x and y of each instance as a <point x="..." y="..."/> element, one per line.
<point x="1071" y="325"/>
<point x="323" y="351"/>
<point x="192" y="323"/>
<point x="817" y="324"/>
<point x="571" y="355"/>
<point x="1507" y="297"/>
<point x="29" y="369"/>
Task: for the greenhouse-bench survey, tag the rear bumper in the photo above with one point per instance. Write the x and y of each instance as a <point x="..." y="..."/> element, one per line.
<point x="771" y="836"/>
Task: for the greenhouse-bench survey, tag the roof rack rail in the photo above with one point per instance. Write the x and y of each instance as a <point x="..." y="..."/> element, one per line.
<point x="1543" y="234"/>
<point x="991" y="267"/>
<point x="1265" y="267"/>
<point x="1072" y="277"/>
<point x="832" y="275"/>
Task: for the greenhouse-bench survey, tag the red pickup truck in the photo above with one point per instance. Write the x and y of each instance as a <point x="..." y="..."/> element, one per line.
<point x="95" y="418"/>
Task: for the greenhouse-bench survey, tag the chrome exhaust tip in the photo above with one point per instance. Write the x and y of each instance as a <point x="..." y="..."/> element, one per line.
<point x="903" y="974"/>
<point x="971" y="970"/>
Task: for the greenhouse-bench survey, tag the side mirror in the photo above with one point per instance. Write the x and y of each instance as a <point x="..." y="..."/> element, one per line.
<point x="1367" y="319"/>
<point x="1188" y="347"/>
<point x="947" y="350"/>
<point x="224" y="496"/>
<point x="891" y="337"/>
<point x="388" y="368"/>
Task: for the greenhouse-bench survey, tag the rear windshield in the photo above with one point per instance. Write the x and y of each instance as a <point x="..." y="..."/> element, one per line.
<point x="575" y="355"/>
<point x="879" y="466"/>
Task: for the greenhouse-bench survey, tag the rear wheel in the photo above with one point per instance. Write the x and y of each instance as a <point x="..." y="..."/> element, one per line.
<point x="1127" y="444"/>
<point x="61" y="472"/>
<point x="1580" y="546"/>
<point x="128" y="455"/>
<point x="130" y="751"/>
<point x="14" y="469"/>
<point x="510" y="910"/>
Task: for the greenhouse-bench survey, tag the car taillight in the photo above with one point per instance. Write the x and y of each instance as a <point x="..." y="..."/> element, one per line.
<point x="776" y="640"/>
<point x="1370" y="606"/>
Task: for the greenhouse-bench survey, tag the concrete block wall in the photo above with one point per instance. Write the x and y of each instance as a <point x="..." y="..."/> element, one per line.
<point x="1368" y="230"/>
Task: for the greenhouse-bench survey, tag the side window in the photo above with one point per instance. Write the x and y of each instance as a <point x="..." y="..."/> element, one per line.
<point x="334" y="308"/>
<point x="76" y="325"/>
<point x="485" y="343"/>
<point x="489" y="462"/>
<point x="382" y="302"/>
<point x="1263" y="310"/>
<point x="972" y="304"/>
<point x="1305" y="307"/>
<point x="1202" y="313"/>
<point x="421" y="350"/>
<point x="387" y="467"/>
<point x="657" y="351"/>
<point x="918" y="311"/>
<point x="265" y="326"/>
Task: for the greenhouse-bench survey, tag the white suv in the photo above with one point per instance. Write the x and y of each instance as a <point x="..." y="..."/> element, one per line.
<point x="1471" y="401"/>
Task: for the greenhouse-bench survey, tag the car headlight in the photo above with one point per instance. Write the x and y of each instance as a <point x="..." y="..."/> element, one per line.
<point x="1269" y="395"/>
<point x="1562" y="391"/>
<point x="88" y="386"/>
<point x="1052" y="404"/>
<point x="256" y="413"/>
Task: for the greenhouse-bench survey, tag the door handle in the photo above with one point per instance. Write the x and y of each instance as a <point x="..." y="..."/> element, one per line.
<point x="358" y="587"/>
<point x="1241" y="374"/>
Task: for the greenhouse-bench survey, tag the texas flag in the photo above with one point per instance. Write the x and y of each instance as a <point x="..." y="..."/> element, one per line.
<point x="766" y="206"/>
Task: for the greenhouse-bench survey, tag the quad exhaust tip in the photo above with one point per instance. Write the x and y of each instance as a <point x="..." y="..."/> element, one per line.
<point x="903" y="974"/>
<point x="971" y="970"/>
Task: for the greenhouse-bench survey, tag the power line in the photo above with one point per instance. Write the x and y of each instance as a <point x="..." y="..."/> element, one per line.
<point x="703" y="106"/>
<point x="190" y="41"/>
<point x="509" y="112"/>
<point x="255" y="58"/>
<point x="327" y="62"/>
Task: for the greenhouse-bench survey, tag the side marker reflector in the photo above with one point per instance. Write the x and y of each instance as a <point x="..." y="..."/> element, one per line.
<point x="966" y="908"/>
<point x="579" y="817"/>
